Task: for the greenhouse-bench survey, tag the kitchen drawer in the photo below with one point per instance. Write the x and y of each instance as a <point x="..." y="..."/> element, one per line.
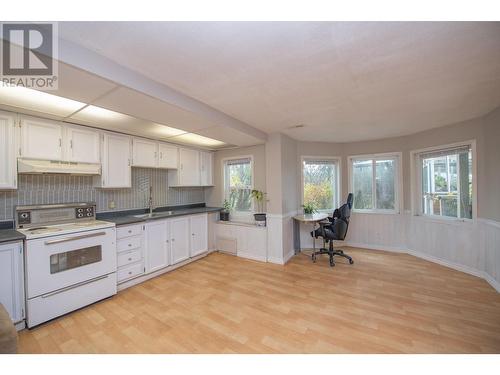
<point x="128" y="231"/>
<point x="130" y="257"/>
<point x="129" y="243"/>
<point x="129" y="272"/>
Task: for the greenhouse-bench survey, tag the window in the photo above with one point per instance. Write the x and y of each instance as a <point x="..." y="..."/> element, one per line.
<point x="320" y="182"/>
<point x="375" y="183"/>
<point x="238" y="183"/>
<point x="445" y="179"/>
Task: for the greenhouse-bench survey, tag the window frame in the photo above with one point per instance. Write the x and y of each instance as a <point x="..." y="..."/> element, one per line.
<point x="398" y="181"/>
<point x="223" y="176"/>
<point x="416" y="185"/>
<point x="338" y="162"/>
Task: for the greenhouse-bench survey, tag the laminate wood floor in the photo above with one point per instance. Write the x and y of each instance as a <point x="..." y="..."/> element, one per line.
<point x="384" y="303"/>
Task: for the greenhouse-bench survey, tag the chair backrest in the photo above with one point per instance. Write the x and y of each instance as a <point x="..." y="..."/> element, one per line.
<point x="341" y="224"/>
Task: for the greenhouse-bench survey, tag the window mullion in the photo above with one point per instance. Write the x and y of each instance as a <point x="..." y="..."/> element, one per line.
<point x="374" y="187"/>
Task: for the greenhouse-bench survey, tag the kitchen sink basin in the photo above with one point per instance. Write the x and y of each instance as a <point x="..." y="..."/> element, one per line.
<point x="154" y="214"/>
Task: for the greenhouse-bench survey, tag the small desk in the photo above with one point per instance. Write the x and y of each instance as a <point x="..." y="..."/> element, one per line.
<point x="305" y="218"/>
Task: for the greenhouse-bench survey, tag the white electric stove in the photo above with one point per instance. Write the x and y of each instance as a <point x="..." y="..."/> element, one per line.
<point x="70" y="258"/>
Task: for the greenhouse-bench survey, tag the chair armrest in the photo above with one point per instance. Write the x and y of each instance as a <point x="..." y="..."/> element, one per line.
<point x="322" y="225"/>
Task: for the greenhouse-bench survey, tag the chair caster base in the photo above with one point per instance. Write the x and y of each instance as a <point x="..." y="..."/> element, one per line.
<point x="332" y="254"/>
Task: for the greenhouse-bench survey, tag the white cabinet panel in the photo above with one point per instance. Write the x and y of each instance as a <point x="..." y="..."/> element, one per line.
<point x="145" y="153"/>
<point x="179" y="234"/>
<point x="168" y="156"/>
<point x="199" y="234"/>
<point x="8" y="148"/>
<point x="12" y="280"/>
<point x="157" y="245"/>
<point x="206" y="168"/>
<point x="82" y="145"/>
<point x="41" y="139"/>
<point x="116" y="161"/>
<point x="189" y="167"/>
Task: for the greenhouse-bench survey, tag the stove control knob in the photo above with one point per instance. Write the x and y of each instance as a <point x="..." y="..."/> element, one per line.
<point x="79" y="210"/>
<point x="89" y="213"/>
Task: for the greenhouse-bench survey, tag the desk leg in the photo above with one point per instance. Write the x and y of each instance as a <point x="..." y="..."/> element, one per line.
<point x="296" y="236"/>
<point x="314" y="240"/>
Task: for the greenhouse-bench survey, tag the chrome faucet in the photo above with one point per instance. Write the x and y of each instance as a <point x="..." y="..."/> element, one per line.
<point x="150" y="202"/>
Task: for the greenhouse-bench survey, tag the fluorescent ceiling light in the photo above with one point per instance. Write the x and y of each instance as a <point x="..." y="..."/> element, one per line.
<point x="38" y="101"/>
<point x="198" y="140"/>
<point x="93" y="112"/>
<point x="166" y="131"/>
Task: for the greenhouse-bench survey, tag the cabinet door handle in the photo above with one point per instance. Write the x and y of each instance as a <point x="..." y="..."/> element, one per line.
<point x="71" y="144"/>
<point x="60" y="142"/>
<point x="161" y="155"/>
<point x="173" y="239"/>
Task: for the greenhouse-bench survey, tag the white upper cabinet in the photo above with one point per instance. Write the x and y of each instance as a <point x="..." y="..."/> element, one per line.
<point x="41" y="139"/>
<point x="206" y="168"/>
<point x="115" y="152"/>
<point x="189" y="167"/>
<point x="82" y="145"/>
<point x="8" y="149"/>
<point x="179" y="234"/>
<point x="199" y="234"/>
<point x="168" y="156"/>
<point x="145" y="153"/>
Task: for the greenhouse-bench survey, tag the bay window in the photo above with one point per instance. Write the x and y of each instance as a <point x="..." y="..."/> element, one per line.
<point x="320" y="182"/>
<point x="374" y="181"/>
<point x="445" y="177"/>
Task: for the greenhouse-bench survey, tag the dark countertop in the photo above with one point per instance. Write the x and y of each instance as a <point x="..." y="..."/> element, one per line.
<point x="124" y="217"/>
<point x="10" y="235"/>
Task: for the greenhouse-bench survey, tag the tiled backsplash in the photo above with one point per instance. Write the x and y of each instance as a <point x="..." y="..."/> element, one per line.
<point x="48" y="189"/>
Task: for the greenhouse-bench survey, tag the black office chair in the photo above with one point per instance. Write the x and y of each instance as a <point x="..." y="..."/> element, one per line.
<point x="334" y="229"/>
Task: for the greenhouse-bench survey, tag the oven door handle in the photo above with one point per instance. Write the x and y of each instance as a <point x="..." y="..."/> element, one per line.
<point x="74" y="238"/>
<point x="74" y="286"/>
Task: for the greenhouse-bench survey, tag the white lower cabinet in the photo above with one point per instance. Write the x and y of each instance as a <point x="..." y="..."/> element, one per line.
<point x="157" y="245"/>
<point x="179" y="233"/>
<point x="199" y="234"/>
<point x="171" y="241"/>
<point x="130" y="255"/>
<point x="12" y="280"/>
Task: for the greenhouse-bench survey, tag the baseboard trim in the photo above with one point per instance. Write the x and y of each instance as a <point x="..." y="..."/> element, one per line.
<point x="494" y="283"/>
<point x="250" y="256"/>
<point x="446" y="263"/>
<point x="288" y="256"/>
<point x="392" y="249"/>
<point x="275" y="260"/>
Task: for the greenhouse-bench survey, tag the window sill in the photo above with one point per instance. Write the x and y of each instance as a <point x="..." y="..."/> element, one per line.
<point x="377" y="212"/>
<point x="240" y="224"/>
<point x="445" y="220"/>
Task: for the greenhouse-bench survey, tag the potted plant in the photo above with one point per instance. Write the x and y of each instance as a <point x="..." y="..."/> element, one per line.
<point x="309" y="208"/>
<point x="260" y="216"/>
<point x="224" y="214"/>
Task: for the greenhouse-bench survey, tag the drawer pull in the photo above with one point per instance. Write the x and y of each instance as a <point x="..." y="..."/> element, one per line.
<point x="129" y="259"/>
<point x="130" y="272"/>
<point x="129" y="245"/>
<point x="130" y="231"/>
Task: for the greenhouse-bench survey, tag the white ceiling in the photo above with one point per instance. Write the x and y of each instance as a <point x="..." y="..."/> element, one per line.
<point x="345" y="81"/>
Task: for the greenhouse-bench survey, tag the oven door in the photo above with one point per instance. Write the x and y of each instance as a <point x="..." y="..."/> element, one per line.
<point x="57" y="262"/>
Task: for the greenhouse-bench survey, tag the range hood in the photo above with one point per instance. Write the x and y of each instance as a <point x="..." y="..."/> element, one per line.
<point x="30" y="166"/>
